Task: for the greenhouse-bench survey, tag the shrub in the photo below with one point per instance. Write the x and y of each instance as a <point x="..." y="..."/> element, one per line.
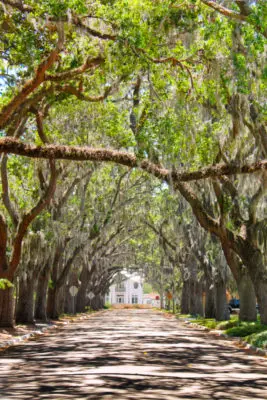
<point x="227" y="324"/>
<point x="246" y="329"/>
<point x="259" y="339"/>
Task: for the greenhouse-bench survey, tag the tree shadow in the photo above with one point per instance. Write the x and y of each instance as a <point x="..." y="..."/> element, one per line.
<point x="127" y="354"/>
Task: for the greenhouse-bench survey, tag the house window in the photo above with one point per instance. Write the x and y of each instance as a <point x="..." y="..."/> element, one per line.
<point x="120" y="287"/>
<point x="136" y="285"/>
<point x="120" y="299"/>
<point x="134" y="299"/>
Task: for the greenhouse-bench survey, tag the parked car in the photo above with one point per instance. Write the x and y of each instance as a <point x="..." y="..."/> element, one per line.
<point x="233" y="304"/>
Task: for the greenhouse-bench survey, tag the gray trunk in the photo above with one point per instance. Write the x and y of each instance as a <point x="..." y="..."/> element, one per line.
<point x="185" y="298"/>
<point x="221" y="308"/>
<point x="25" y="304"/>
<point x="53" y="303"/>
<point x="261" y="291"/>
<point x="41" y="295"/>
<point x="247" y="297"/>
<point x="81" y="295"/>
<point x="195" y="298"/>
<point x="209" y="301"/>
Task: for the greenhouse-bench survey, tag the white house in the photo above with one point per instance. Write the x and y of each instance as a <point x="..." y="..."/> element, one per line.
<point x="126" y="289"/>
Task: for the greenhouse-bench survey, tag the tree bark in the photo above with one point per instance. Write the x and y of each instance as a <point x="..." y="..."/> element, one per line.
<point x="195" y="298"/>
<point x="247" y="298"/>
<point x="253" y="260"/>
<point x="185" y="298"/>
<point x="53" y="311"/>
<point x="97" y="302"/>
<point x="25" y="305"/>
<point x="221" y="309"/>
<point x="69" y="302"/>
<point x="7" y="307"/>
<point x="81" y="295"/>
<point x="41" y="295"/>
<point x="209" y="301"/>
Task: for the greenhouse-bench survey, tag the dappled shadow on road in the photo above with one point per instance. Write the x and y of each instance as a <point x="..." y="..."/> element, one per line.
<point x="129" y="354"/>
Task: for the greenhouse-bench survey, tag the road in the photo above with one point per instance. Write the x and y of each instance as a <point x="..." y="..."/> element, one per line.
<point x="130" y="354"/>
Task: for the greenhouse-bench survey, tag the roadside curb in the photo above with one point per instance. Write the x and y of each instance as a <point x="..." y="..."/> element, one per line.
<point x="38" y="332"/>
<point x="241" y="342"/>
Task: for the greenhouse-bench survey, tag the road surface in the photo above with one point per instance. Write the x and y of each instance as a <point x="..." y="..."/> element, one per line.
<point x="130" y="354"/>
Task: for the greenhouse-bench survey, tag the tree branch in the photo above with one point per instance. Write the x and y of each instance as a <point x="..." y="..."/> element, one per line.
<point x="67" y="75"/>
<point x="28" y="87"/>
<point x="3" y="246"/>
<point x="205" y="220"/>
<point x="18" y="5"/>
<point x="81" y="96"/>
<point x="243" y="16"/>
<point x="29" y="217"/>
<point x="256" y="198"/>
<point x="76" y="153"/>
<point x="5" y="192"/>
<point x="223" y="10"/>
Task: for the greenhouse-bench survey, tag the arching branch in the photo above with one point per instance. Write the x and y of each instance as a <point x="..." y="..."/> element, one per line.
<point x="243" y="16"/>
<point x="29" y="217"/>
<point x="223" y="10"/>
<point x="28" y="87"/>
<point x="76" y="153"/>
<point x="3" y="244"/>
<point x="5" y="192"/>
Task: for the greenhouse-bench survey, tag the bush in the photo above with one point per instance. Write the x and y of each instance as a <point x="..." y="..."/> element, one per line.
<point x="259" y="339"/>
<point x="246" y="329"/>
<point x="227" y="324"/>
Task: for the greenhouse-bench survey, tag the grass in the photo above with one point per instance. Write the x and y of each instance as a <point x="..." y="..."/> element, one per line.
<point x="253" y="332"/>
<point x="208" y="322"/>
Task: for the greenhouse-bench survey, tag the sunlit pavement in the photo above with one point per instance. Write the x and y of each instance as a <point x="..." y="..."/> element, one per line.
<point x="130" y="354"/>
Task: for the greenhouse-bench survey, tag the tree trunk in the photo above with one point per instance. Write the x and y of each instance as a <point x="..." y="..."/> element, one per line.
<point x="25" y="305"/>
<point x="7" y="307"/>
<point x="96" y="303"/>
<point x="244" y="284"/>
<point x="185" y="298"/>
<point x="52" y="303"/>
<point x="209" y="301"/>
<point x="41" y="295"/>
<point x="253" y="260"/>
<point x="247" y="297"/>
<point x="261" y="292"/>
<point x="195" y="298"/>
<point x="69" y="301"/>
<point x="199" y="298"/>
<point x="221" y="308"/>
<point x="81" y="295"/>
<point x="161" y="295"/>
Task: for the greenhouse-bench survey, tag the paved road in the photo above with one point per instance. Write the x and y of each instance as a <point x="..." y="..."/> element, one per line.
<point x="130" y="354"/>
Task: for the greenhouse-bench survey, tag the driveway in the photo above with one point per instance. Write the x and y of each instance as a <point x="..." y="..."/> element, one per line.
<point x="130" y="354"/>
